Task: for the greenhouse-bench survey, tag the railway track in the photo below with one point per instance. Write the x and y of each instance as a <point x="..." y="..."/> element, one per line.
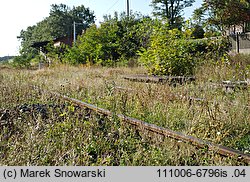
<point x="141" y="125"/>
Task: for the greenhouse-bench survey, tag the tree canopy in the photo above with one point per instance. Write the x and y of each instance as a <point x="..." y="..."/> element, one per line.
<point x="223" y="13"/>
<point x="59" y="23"/>
<point x="171" y="9"/>
<point x="164" y="48"/>
<point x="118" y="39"/>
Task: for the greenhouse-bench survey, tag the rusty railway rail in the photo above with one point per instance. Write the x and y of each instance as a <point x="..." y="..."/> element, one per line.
<point x="222" y="150"/>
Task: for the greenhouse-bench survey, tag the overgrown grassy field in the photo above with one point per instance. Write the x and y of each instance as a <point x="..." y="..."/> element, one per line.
<point x="39" y="129"/>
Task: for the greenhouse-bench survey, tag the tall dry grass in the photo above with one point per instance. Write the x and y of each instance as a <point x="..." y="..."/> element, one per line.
<point x="67" y="135"/>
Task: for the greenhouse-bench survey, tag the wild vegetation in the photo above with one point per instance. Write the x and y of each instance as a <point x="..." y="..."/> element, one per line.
<point x="220" y="15"/>
<point x="41" y="129"/>
<point x="115" y="42"/>
<point x="171" y="10"/>
<point x="130" y="37"/>
<point x="37" y="128"/>
<point x="58" y="24"/>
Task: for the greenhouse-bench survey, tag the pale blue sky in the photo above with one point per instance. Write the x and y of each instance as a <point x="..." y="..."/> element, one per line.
<point x="16" y="15"/>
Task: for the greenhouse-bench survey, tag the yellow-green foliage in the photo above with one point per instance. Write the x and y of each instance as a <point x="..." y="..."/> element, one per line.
<point x="173" y="52"/>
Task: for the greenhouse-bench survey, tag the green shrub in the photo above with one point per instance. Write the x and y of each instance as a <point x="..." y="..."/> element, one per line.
<point x="173" y="52"/>
<point x="73" y="56"/>
<point x="198" y="32"/>
<point x="115" y="42"/>
<point x="168" y="53"/>
<point x="22" y="61"/>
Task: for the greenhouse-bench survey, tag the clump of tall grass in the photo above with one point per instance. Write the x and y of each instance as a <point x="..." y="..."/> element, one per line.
<point x="71" y="136"/>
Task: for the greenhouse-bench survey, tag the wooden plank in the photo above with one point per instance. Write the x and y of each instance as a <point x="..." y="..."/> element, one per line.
<point x="160" y="79"/>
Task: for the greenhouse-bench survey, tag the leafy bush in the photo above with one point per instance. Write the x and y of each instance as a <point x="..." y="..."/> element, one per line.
<point x="241" y="65"/>
<point x="115" y="42"/>
<point x="173" y="52"/>
<point x="56" y="53"/>
<point x="22" y="61"/>
<point x="73" y="56"/>
<point x="168" y="53"/>
<point x="198" y="32"/>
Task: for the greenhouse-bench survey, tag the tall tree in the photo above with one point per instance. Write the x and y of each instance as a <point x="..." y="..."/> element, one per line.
<point x="171" y="9"/>
<point x="62" y="17"/>
<point x="26" y="37"/>
<point x="224" y="13"/>
<point x="59" y="23"/>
